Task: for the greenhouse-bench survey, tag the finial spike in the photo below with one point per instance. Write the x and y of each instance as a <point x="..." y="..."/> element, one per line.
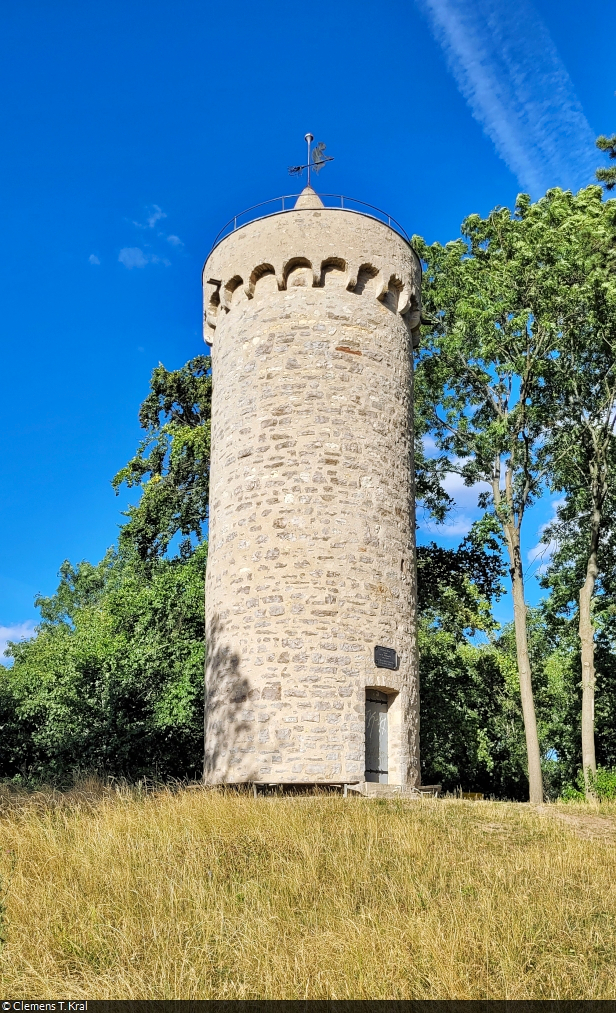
<point x="316" y="158"/>
<point x="308" y="139"/>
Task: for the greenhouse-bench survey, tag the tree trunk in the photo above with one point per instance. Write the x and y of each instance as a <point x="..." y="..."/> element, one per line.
<point x="535" y="780"/>
<point x="587" y="645"/>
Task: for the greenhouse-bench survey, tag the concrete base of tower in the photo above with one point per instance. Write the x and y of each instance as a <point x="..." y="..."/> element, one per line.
<point x="371" y="790"/>
<point x="365" y="789"/>
<point x="300" y="787"/>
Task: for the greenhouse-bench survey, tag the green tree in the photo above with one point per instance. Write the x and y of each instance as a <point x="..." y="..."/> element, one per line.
<point x="607" y="174"/>
<point x="580" y="443"/>
<point x="172" y="465"/>
<point x="472" y="729"/>
<point x="470" y="723"/>
<point x="489" y="298"/>
<point x="113" y="679"/>
<point x="565" y="575"/>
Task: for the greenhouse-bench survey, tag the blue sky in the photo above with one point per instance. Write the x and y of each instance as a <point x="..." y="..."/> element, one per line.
<point x="132" y="131"/>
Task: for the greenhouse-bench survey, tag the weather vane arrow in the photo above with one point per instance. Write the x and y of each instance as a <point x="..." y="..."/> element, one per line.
<point x="316" y="158"/>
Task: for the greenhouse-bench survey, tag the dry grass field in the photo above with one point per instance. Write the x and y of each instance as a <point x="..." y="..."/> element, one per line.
<point x="200" y="895"/>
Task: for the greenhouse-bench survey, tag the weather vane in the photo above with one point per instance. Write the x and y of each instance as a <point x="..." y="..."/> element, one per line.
<point x="316" y="159"/>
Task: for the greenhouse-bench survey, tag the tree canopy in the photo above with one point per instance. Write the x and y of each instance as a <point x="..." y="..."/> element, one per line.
<point x="172" y="464"/>
<point x="113" y="679"/>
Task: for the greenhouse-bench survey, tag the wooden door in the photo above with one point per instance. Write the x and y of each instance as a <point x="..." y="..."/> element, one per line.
<point x="376" y="736"/>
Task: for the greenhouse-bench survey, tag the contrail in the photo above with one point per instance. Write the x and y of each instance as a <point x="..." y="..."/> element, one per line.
<point x="510" y="73"/>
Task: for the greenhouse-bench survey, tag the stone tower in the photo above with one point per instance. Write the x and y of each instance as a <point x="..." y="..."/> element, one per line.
<point x="311" y="673"/>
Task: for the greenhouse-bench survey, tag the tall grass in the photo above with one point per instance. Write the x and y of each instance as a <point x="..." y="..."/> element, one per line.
<point x="200" y="895"/>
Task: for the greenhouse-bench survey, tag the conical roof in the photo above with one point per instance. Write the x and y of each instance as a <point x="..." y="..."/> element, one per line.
<point x="308" y="200"/>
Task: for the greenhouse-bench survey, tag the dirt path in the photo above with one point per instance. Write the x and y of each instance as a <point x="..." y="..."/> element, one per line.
<point x="590" y="826"/>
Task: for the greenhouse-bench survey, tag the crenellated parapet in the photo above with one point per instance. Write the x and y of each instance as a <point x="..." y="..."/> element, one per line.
<point x="312" y="247"/>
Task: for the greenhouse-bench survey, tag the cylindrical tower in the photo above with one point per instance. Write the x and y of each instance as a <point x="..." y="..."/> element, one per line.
<point x="311" y="673"/>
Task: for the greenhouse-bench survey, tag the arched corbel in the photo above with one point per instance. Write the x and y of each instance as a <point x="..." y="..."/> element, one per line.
<point x="227" y="290"/>
<point x="294" y="263"/>
<point x="328" y="265"/>
<point x="259" y="272"/>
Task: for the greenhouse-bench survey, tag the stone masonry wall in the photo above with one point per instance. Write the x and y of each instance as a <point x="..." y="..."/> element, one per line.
<point x="311" y="541"/>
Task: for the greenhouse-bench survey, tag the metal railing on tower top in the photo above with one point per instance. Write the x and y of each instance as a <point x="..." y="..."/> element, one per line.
<point x="331" y="201"/>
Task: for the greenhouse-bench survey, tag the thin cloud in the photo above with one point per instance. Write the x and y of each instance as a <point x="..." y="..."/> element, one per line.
<point x="93" y="259"/>
<point x="140" y="256"/>
<point x="465" y="512"/>
<point x="132" y="256"/>
<point x="19" y="631"/>
<point x="509" y="71"/>
<point x="430" y="446"/>
<point x="542" y="552"/>
<point x="153" y="215"/>
<point x="465" y="496"/>
<point x="458" y="527"/>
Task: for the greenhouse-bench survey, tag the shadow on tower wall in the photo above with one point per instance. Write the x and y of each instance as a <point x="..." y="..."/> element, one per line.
<point x="227" y="696"/>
